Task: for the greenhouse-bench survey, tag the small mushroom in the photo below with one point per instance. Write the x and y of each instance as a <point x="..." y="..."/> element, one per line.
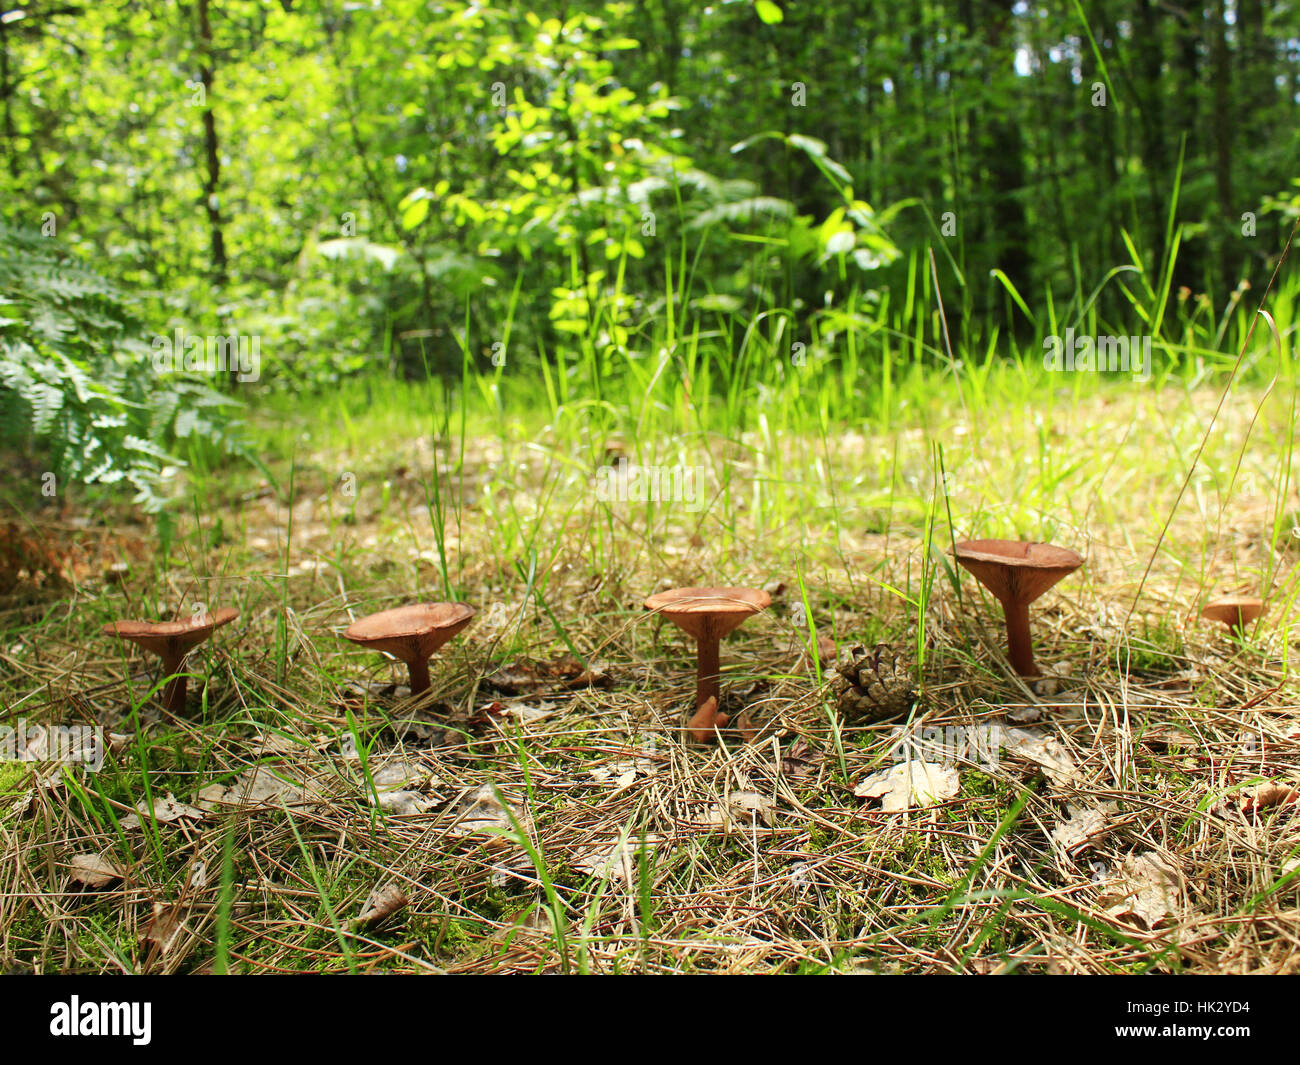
<point x="1016" y="573"/>
<point x="705" y="719"/>
<point x="1235" y="611"/>
<point x="708" y="614"/>
<point x="172" y="641"/>
<point x="412" y="633"/>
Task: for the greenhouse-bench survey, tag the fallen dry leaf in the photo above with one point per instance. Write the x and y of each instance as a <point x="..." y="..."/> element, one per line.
<point x="625" y="772"/>
<point x="910" y="786"/>
<point x="625" y="780"/>
<point x="1043" y="751"/>
<point x="800" y="760"/>
<point x="271" y="743"/>
<point x="166" y="810"/>
<point x="382" y="902"/>
<point x="1052" y="685"/>
<point x="95" y="871"/>
<point x="619" y="859"/>
<point x="165" y="926"/>
<point x="482" y="812"/>
<point x="1150" y="890"/>
<point x="751" y="805"/>
<point x="402" y="773"/>
<point x="564" y="673"/>
<point x="1085" y="826"/>
<point x="1262" y="796"/>
<point x="120" y="741"/>
<point x="403" y="803"/>
<point x="622" y="773"/>
<point x="208" y="798"/>
<point x="257" y="786"/>
<point x="740" y="810"/>
<point x="527" y="714"/>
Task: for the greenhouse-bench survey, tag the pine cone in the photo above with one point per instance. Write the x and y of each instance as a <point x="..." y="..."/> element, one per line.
<point x="872" y="685"/>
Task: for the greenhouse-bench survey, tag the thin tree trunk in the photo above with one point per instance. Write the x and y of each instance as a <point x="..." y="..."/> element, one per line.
<point x="1256" y="100"/>
<point x="1223" y="142"/>
<point x="672" y="53"/>
<point x="211" y="145"/>
<point x="6" y="95"/>
<point x="1043" y="102"/>
<point x="1155" y="146"/>
<point x="1005" y="165"/>
<point x="1185" y="109"/>
<point x="970" y="198"/>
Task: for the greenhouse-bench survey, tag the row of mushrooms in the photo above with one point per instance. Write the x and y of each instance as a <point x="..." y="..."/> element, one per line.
<point x="1016" y="573"/>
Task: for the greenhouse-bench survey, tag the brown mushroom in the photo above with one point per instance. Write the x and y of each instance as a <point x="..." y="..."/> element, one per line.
<point x="172" y="641"/>
<point x="412" y="633"/>
<point x="708" y="614"/>
<point x="1016" y="573"/>
<point x="705" y="719"/>
<point x="1235" y="611"/>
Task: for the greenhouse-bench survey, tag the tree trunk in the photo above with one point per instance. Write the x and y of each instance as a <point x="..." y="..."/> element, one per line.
<point x="1155" y="146"/>
<point x="1223" y="147"/>
<point x="1189" y="271"/>
<point x="211" y="145"/>
<point x="1005" y="164"/>
<point x="6" y="97"/>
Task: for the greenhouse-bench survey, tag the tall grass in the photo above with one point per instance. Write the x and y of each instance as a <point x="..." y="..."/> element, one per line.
<point x="769" y="400"/>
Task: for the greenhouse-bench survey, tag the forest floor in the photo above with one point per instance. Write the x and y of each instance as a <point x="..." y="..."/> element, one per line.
<point x="541" y="810"/>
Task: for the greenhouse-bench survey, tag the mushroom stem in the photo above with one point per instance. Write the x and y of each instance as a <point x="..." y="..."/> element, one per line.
<point x="705" y="720"/>
<point x="706" y="676"/>
<point x="174" y="692"/>
<point x="1237" y="623"/>
<point x="419" y="675"/>
<point x="1020" y="646"/>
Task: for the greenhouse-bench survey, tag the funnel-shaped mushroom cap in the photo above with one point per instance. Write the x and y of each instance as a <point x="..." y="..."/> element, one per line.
<point x="1235" y="610"/>
<point x="1015" y="571"/>
<point x="411" y="633"/>
<point x="171" y="640"/>
<point x="708" y="613"/>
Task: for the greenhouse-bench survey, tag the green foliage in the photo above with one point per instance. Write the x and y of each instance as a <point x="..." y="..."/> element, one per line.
<point x="13" y="775"/>
<point x="77" y="378"/>
<point x="420" y="183"/>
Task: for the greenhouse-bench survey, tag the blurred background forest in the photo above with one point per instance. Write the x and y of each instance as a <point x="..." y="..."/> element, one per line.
<point x="523" y="193"/>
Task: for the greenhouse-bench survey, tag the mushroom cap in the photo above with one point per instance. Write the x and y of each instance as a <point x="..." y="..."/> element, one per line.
<point x="172" y="639"/>
<point x="708" y="612"/>
<point x="1016" y="571"/>
<point x="411" y="633"/>
<point x="1237" y="610"/>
